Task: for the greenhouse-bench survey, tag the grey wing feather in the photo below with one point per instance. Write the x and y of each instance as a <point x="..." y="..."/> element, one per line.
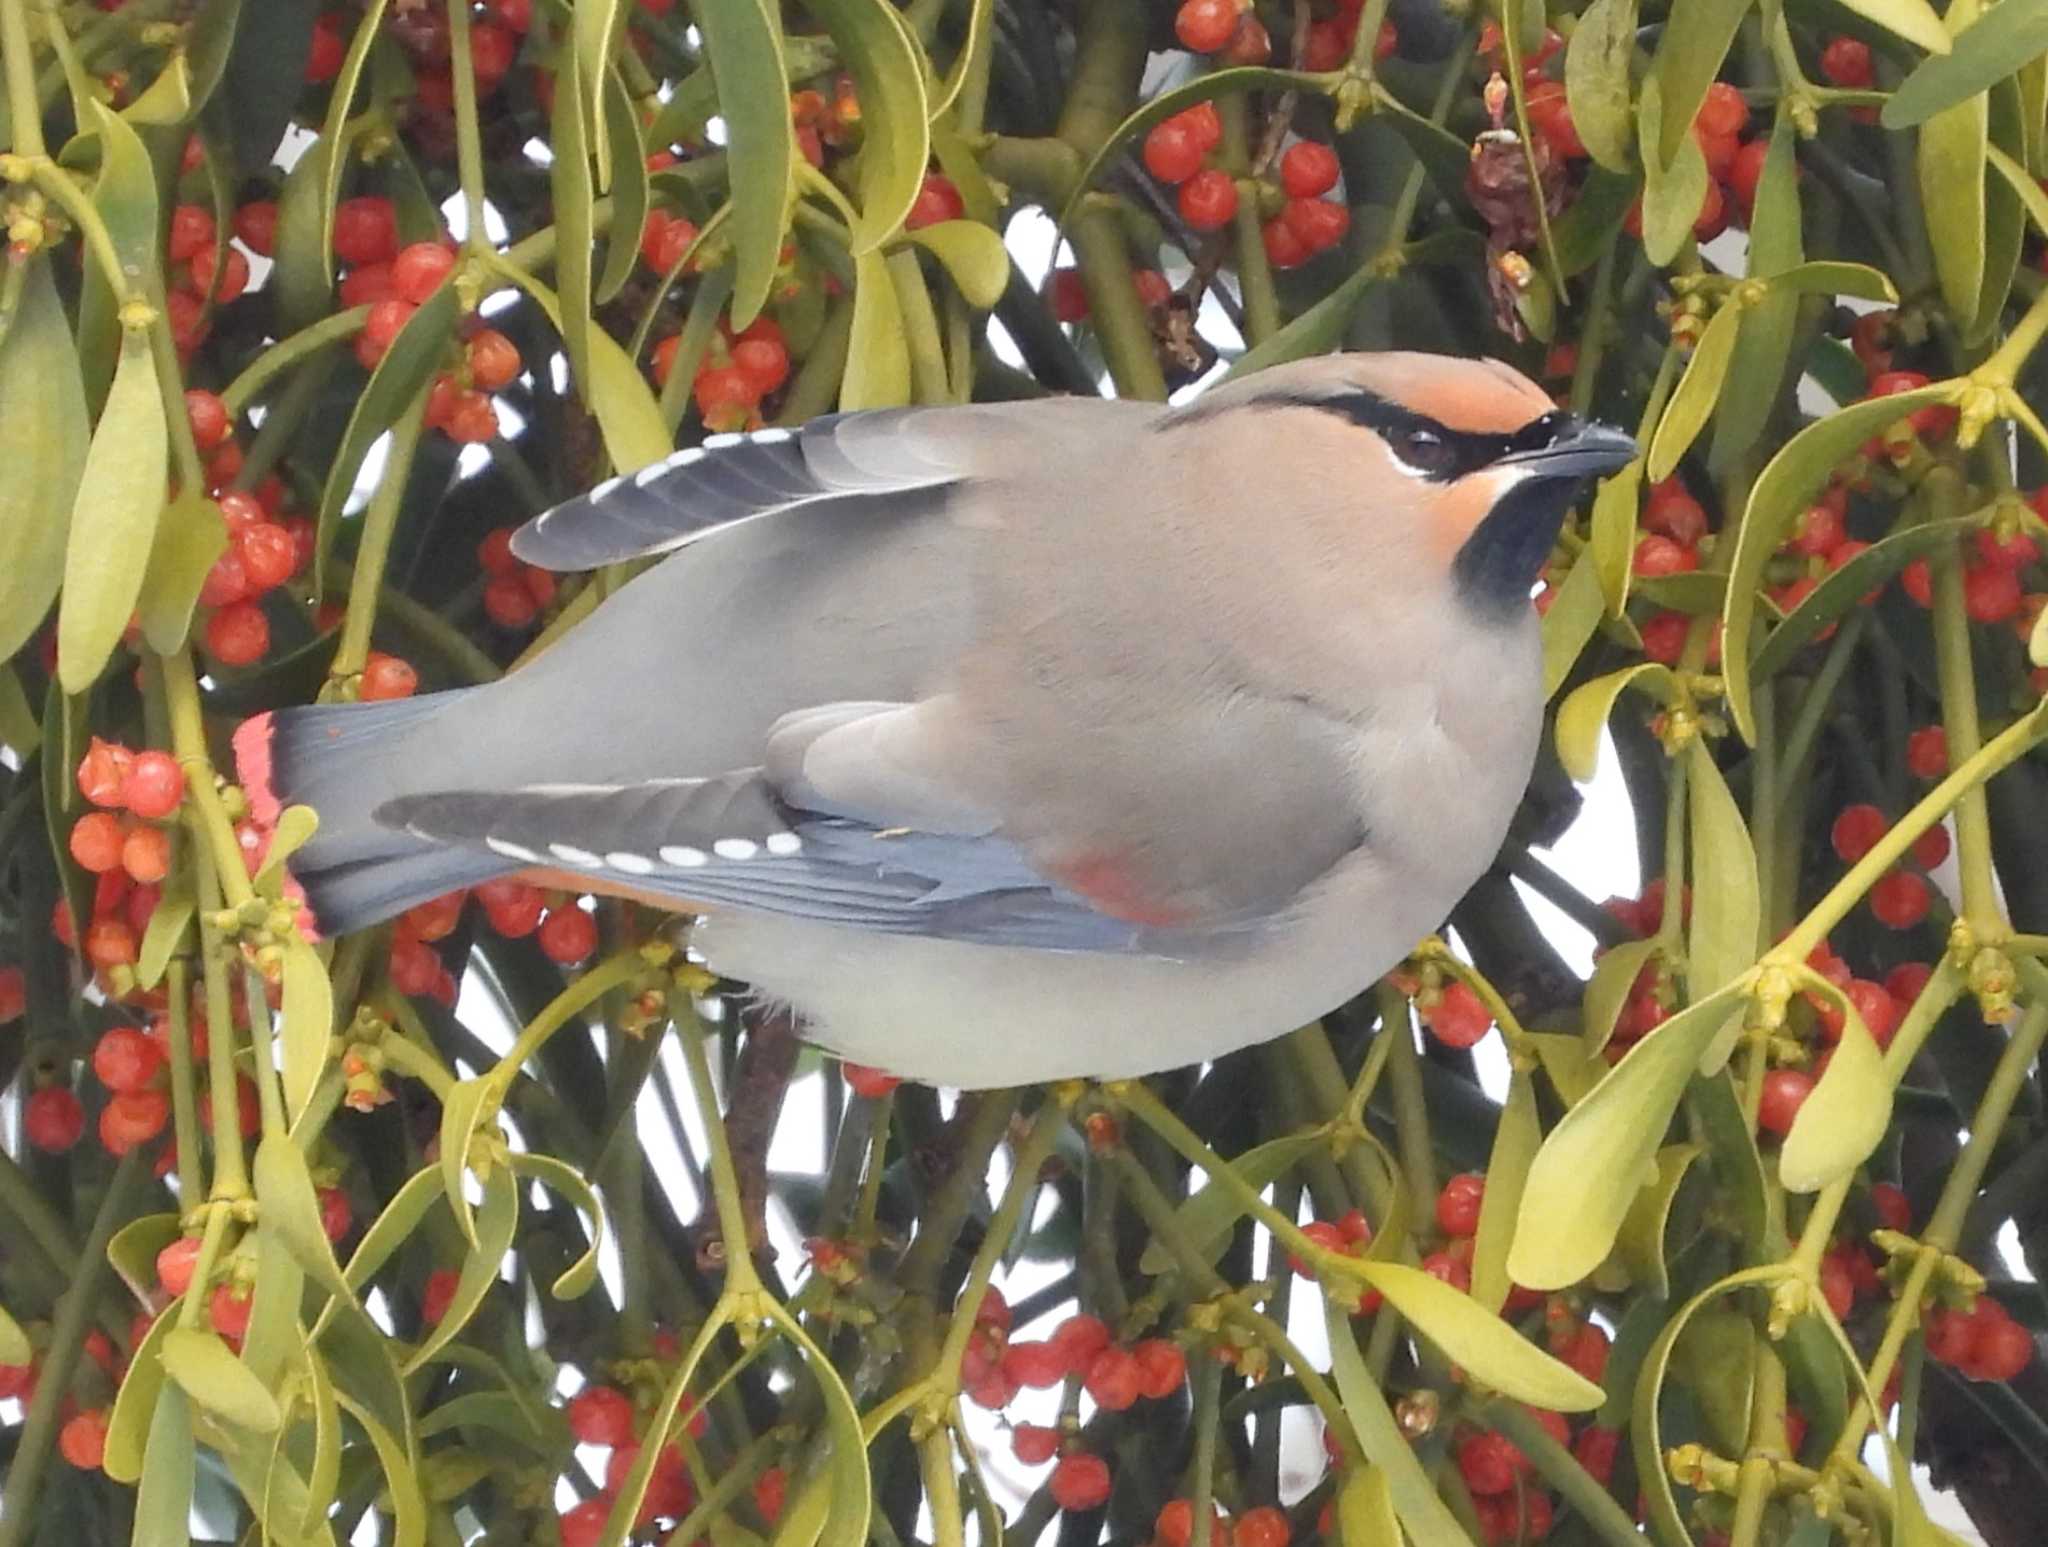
<point x="732" y="841"/>
<point x="851" y="458"/>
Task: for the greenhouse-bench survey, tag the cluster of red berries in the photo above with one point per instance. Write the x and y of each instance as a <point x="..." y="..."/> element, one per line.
<point x="515" y="592"/>
<point x="738" y="371"/>
<point x="1350" y="1235"/>
<point x="261" y="555"/>
<point x="1175" y="152"/>
<point x="205" y="269"/>
<point x="1981" y="1344"/>
<point x="1069" y="296"/>
<point x="664" y="239"/>
<point x="1880" y="1006"/>
<point x="122" y="844"/>
<point x="1653" y="995"/>
<point x="993" y="1368"/>
<point x="565" y="933"/>
<point x="1901" y="897"/>
<point x="822" y="123"/>
<point x="605" y="1416"/>
<point x="1261" y="1526"/>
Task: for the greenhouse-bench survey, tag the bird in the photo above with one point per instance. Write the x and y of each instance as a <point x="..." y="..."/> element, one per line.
<point x="1009" y="743"/>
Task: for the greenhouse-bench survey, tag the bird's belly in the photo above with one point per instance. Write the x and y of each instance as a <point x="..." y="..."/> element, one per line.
<point x="958" y="1014"/>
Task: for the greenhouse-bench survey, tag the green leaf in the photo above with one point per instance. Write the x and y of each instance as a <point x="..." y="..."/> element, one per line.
<point x="132" y="1251"/>
<point x="408" y="1504"/>
<point x="1843" y="1121"/>
<point x="1614" y="533"/>
<point x="595" y="34"/>
<point x="163" y="1506"/>
<point x="1607" y="991"/>
<point x="1572" y="1072"/>
<point x="19" y="727"/>
<point x="189" y="538"/>
<point x="43" y="438"/>
<point x="1822" y="277"/>
<point x="2032" y="199"/>
<point x="1596" y="82"/>
<point x="335" y="142"/>
<point x="1788" y="482"/>
<point x="1699" y="389"/>
<point x="1414" y="1496"/>
<point x="575" y="203"/>
<point x="1573" y="616"/>
<point x="396" y="383"/>
<point x="878" y="358"/>
<point x="274" y="1337"/>
<point x="851" y="1485"/>
<point x="1756" y="375"/>
<point x="1602" y="1152"/>
<point x="308" y="1024"/>
<point x="400" y="1218"/>
<point x="973" y="254"/>
<point x="2005" y="221"/>
<point x="1674" y="189"/>
<point x="166" y="928"/>
<point x="1515" y="1143"/>
<point x="14" y="1344"/>
<point x="1696" y="39"/>
<point x="165" y="100"/>
<point x="113" y="519"/>
<point x="1444" y="157"/>
<point x="1985" y="52"/>
<point x="628" y="416"/>
<point x="295" y="827"/>
<point x="1316" y="331"/>
<point x="1365" y="1509"/>
<point x="1593" y="221"/>
<point x="1842" y="589"/>
<point x="630" y="190"/>
<point x="323" y="1476"/>
<point x="1583" y="716"/>
<point x="1950" y="164"/>
<point x="497" y="1221"/>
<point x="291" y="1210"/>
<point x="1727" y="904"/>
<point x="128" y="1424"/>
<point x="219" y="1382"/>
<point x="1716" y="1355"/>
<point x="889" y="76"/>
<point x="1913" y="20"/>
<point x="1490" y="1350"/>
<point x="468" y="1104"/>
<point x="1208" y="1218"/>
<point x="1641" y="1242"/>
<point x="304" y="276"/>
<point x="568" y="1181"/>
<point x="743" y="44"/>
<point x="633" y="1490"/>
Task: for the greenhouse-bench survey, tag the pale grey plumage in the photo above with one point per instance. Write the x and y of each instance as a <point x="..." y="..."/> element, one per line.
<point x="1032" y="713"/>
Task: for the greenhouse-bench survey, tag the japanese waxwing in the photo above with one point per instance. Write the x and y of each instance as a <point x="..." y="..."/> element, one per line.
<point x="1016" y="741"/>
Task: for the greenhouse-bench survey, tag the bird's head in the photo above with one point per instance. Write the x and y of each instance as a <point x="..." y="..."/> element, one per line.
<point x="1464" y="467"/>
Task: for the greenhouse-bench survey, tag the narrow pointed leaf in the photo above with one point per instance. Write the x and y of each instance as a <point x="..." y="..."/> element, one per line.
<point x="1727" y="907"/>
<point x="1607" y="991"/>
<point x="1415" y="1499"/>
<point x="308" y="1024"/>
<point x="877" y="359"/>
<point x="1573" y="615"/>
<point x="889" y="75"/>
<point x="218" y="1381"/>
<point x="497" y="1221"/>
<point x="568" y="1181"/>
<point x="1208" y="1218"/>
<point x="1583" y="716"/>
<point x="1689" y="55"/>
<point x="575" y="202"/>
<point x="1777" y="244"/>
<point x="1614" y="534"/>
<point x="1991" y="48"/>
<point x="14" y="1344"/>
<point x="43" y="437"/>
<point x="629" y="186"/>
<point x="1843" y="1121"/>
<point x="627" y="414"/>
<point x="163" y="1506"/>
<point x="291" y="1208"/>
<point x="1597" y="84"/>
<point x="1490" y="1350"/>
<point x="1843" y="589"/>
<point x="1699" y="389"/>
<point x="973" y="255"/>
<point x="189" y="540"/>
<point x="1641" y="1242"/>
<point x="1913" y="20"/>
<point x="401" y="1216"/>
<point x="129" y="1422"/>
<point x="1950" y="164"/>
<point x="1515" y="1143"/>
<point x="743" y="43"/>
<point x="409" y="1505"/>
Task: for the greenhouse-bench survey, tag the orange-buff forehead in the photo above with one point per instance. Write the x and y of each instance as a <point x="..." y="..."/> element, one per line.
<point x="1491" y="404"/>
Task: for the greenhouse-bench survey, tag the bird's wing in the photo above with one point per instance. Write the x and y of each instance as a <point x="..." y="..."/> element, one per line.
<point x="860" y="461"/>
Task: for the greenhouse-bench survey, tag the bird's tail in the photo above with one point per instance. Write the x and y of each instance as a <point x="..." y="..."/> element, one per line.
<point x="346" y="760"/>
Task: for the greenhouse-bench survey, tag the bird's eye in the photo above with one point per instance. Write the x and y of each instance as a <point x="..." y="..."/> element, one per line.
<point x="1424" y="450"/>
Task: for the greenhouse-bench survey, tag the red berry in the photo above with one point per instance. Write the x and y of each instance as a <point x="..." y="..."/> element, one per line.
<point x="1034" y="1444"/>
<point x="223" y="278"/>
<point x="335" y="1214"/>
<point x="438" y="1294"/>
<point x="103" y="772"/>
<point x="1900" y="900"/>
<point x="515" y="911"/>
<point x="508" y="603"/>
<point x="2013" y="550"/>
<point x="1113" y="1380"/>
<point x="1204" y="123"/>
<point x="53" y="1120"/>
<point x="567" y="935"/>
<point x="1820" y="530"/>
<point x="417" y="270"/>
<point x="13" y="994"/>
<point x="1308" y="170"/>
<point x="865" y="1080"/>
<point x="125" y="1059"/>
<point x="1262" y="1526"/>
<point x="1068" y="296"/>
<point x="1079" y="1482"/>
<point x="1746" y="171"/>
<point x="1657" y="556"/>
<point x="1991" y="592"/>
<point x="1713" y="216"/>
<point x="584" y="1525"/>
<point x="770" y="1490"/>
<point x="386" y="677"/>
<point x="1845" y="62"/>
<point x="1906" y="981"/>
<point x="83" y="1439"/>
<point x="492" y="49"/>
<point x="386" y="319"/>
<point x="1856" y="831"/>
<point x="601" y="1415"/>
<point x="1079" y="1339"/>
<point x="133" y="1117"/>
<point x="1931" y="848"/>
<point x="1837" y="1287"/>
<point x="1490" y="1463"/>
<point x="1723" y="112"/>
<point x="365" y="231"/>
<point x="96" y="841"/>
<point x="1587" y="1352"/>
<point x="1917" y="581"/>
<point x="208" y="416"/>
<point x="764" y="362"/>
<point x="174" y="1264"/>
<point x="1951" y="1336"/>
<point x="472" y="419"/>
<point x="1318" y="224"/>
<point x="1785" y="1092"/>
<point x="1927" y="752"/>
<point x="1457" y="1206"/>
<point x="1284" y="250"/>
<point x="1208" y="200"/>
<point x="1596" y="1449"/>
<point x="154" y="786"/>
<point x="494" y="554"/>
<point x="191" y="231"/>
<point x="2003" y="1347"/>
<point x="256" y="226"/>
<point x="938" y="200"/>
<point x="1203" y="26"/>
<point x="238" y="634"/>
<point x="1878" y="1010"/>
<point x="1672" y="512"/>
<point x="1460" y="1018"/>
<point x="1329" y="44"/>
<point x="1444" y="1266"/>
<point x="1037" y="1366"/>
<point x="494" y="361"/>
<point x="1161" y="1367"/>
<point x="1664" y="636"/>
<point x="268" y="556"/>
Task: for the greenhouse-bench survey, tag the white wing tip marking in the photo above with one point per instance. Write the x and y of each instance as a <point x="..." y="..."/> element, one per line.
<point x="784" y="844"/>
<point x="682" y="856"/>
<point x="632" y="864"/>
<point x="602" y="490"/>
<point x="735" y="848"/>
<point x="772" y="437"/>
<point x="510" y="850"/>
<point x="569" y="854"/>
<point x="722" y="440"/>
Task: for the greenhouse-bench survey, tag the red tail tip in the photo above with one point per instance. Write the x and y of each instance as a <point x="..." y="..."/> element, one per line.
<point x="252" y="766"/>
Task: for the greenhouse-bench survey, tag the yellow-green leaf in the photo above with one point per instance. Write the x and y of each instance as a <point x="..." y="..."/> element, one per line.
<point x="568" y="1181"/>
<point x="1641" y="1242"/>
<point x="878" y="358"/>
<point x="132" y="1251"/>
<point x="1493" y="1352"/>
<point x="1601" y="1154"/>
<point x="308" y="1024"/>
<point x="889" y="75"/>
<point x="633" y="1490"/>
<point x="113" y="519"/>
<point x="1727" y="907"/>
<point x="1844" y="1119"/>
<point x="14" y="1344"/>
<point x="743" y="44"/>
<point x="401" y="1216"/>
<point x="1696" y="38"/>
<point x="1613" y="546"/>
<point x="43" y="438"/>
<point x="295" y="827"/>
<point x="1583" y="716"/>
<point x="1573" y="1072"/>
<point x="850" y="1480"/>
<point x="628" y="416"/>
<point x="1515" y="1143"/>
<point x="218" y="1381"/>
<point x="1698" y="392"/>
<point x="1716" y="1355"/>
<point x="1674" y="189"/>
<point x="1789" y="480"/>
<point x="595" y="32"/>
<point x="1596" y="81"/>
<point x="1207" y="1218"/>
<point x="1607" y="990"/>
<point x="973" y="254"/>
<point x="1365" y="1509"/>
<point x="1950" y="164"/>
<point x="291" y="1209"/>
<point x="166" y="927"/>
<point x="189" y="539"/>
<point x="1985" y="52"/>
<point x="163" y="1506"/>
<point x="575" y="201"/>
<point x="128" y="1424"/>
<point x="630" y="189"/>
<point x="409" y="1505"/>
<point x="1573" y="615"/>
<point x="1415" y="1499"/>
<point x="497" y="1221"/>
<point x="1756" y="374"/>
<point x="1913" y="20"/>
<point x="462" y="1111"/>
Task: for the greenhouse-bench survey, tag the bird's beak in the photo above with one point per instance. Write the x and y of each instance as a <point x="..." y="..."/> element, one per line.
<point x="1579" y="449"/>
